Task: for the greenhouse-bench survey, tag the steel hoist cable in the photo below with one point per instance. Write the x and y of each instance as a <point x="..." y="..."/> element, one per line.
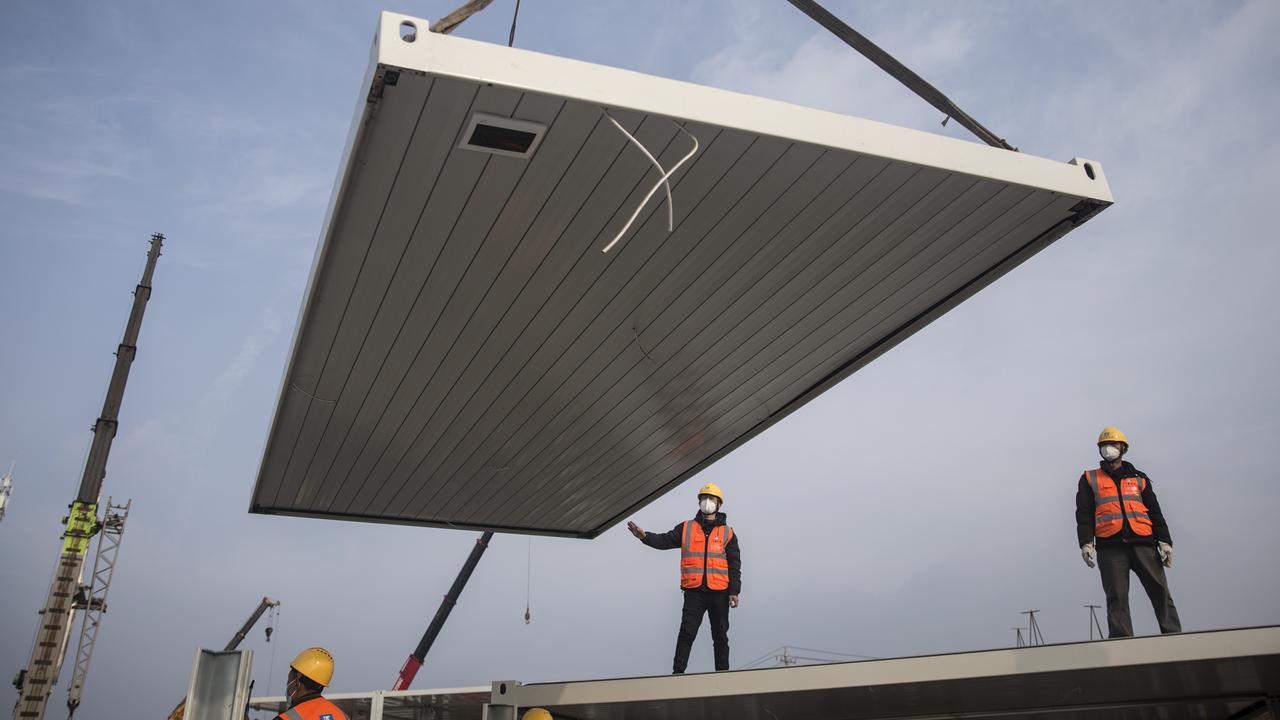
<point x="898" y="71"/>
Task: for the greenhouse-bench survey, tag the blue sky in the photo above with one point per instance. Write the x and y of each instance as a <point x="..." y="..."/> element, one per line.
<point x="221" y="125"/>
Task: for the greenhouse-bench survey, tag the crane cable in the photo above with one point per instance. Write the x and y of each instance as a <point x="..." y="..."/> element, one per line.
<point x="273" y="619"/>
<point x="511" y="39"/>
<point x="528" y="581"/>
<point x="898" y="71"/>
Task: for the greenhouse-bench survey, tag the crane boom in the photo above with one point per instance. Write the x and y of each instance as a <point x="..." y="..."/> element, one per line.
<point x="35" y="683"/>
<point x="414" y="661"/>
<point x="248" y="624"/>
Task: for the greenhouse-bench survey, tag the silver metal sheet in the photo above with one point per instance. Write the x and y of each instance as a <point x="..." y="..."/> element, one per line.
<point x="1219" y="674"/>
<point x="1195" y="675"/>
<point x="219" y="687"/>
<point x="466" y="356"/>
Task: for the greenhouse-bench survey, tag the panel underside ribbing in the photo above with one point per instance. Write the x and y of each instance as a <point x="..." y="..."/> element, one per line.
<point x="469" y="357"/>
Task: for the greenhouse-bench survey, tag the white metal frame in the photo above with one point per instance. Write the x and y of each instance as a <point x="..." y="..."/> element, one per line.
<point x="616" y="88"/>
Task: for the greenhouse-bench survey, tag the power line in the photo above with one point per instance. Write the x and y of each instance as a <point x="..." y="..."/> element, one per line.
<point x="784" y="656"/>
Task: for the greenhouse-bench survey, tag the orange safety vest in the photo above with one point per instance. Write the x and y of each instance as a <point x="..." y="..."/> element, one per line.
<point x="1108" y="512"/>
<point x="701" y="554"/>
<point x="313" y="709"/>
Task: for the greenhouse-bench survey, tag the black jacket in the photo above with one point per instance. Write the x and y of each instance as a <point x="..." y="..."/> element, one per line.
<point x="671" y="541"/>
<point x="1085" y="512"/>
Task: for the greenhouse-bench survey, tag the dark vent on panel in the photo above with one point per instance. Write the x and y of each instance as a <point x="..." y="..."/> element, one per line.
<point x="502" y="135"/>
<point x="498" y="138"/>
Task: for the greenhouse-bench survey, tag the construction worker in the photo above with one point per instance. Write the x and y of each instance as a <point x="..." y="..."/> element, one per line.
<point x="1118" y="522"/>
<point x="309" y="674"/>
<point x="710" y="574"/>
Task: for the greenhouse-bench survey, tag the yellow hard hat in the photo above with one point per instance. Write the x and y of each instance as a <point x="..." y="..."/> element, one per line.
<point x="711" y="489"/>
<point x="1113" y="435"/>
<point x="315" y="664"/>
<point x="536" y="714"/>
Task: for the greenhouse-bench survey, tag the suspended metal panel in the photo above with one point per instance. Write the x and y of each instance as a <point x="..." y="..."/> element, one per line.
<point x="466" y="355"/>
<point x="219" y="688"/>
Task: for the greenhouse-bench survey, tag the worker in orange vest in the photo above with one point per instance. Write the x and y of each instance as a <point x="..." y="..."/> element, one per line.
<point x="1118" y="522"/>
<point x="309" y="674"/>
<point x="710" y="574"/>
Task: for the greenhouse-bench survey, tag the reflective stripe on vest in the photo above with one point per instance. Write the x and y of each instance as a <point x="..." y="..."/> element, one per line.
<point x="314" y="709"/>
<point x="703" y="554"/>
<point x="1113" y="505"/>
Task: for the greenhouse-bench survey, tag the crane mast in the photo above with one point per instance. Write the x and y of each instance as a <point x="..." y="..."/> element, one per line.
<point x="35" y="683"/>
<point x="92" y="598"/>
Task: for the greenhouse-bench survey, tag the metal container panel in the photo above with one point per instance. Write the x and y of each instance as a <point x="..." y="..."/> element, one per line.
<point x="466" y="356"/>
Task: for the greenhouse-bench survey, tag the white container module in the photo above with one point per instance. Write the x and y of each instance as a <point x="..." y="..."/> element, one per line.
<point x="469" y="356"/>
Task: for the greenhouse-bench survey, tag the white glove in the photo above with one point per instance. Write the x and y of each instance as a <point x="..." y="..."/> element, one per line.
<point x="1088" y="553"/>
<point x="1166" y="553"/>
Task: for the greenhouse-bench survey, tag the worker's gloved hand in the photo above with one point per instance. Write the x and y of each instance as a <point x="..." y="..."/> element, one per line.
<point x="1088" y="553"/>
<point x="733" y="601"/>
<point x="1166" y="553"/>
<point x="635" y="530"/>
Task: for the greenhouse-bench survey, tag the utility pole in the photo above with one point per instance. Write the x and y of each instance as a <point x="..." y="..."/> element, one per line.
<point x="1033" y="628"/>
<point x="35" y="683"/>
<point x="1093" y="621"/>
<point x="6" y="488"/>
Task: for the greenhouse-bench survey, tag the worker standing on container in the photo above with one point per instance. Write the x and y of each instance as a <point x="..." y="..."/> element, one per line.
<point x="710" y="574"/>
<point x="1118" y="521"/>
<point x="309" y="674"/>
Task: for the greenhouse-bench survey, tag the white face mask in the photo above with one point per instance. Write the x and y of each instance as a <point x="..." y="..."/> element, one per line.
<point x="708" y="505"/>
<point x="1110" y="452"/>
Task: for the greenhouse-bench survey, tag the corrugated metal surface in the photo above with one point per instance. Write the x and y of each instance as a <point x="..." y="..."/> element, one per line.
<point x="1188" y="676"/>
<point x="1192" y="676"/>
<point x="466" y="355"/>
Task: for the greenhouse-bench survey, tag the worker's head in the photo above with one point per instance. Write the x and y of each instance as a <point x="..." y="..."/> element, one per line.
<point x="1112" y="444"/>
<point x="536" y="714"/>
<point x="710" y="498"/>
<point x="310" y="672"/>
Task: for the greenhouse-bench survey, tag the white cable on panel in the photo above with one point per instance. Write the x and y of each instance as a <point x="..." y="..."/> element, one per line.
<point x="662" y="181"/>
<point x="652" y="159"/>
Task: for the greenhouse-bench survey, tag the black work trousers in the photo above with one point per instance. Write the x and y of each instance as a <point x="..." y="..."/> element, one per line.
<point x="1114" y="564"/>
<point x="716" y="606"/>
